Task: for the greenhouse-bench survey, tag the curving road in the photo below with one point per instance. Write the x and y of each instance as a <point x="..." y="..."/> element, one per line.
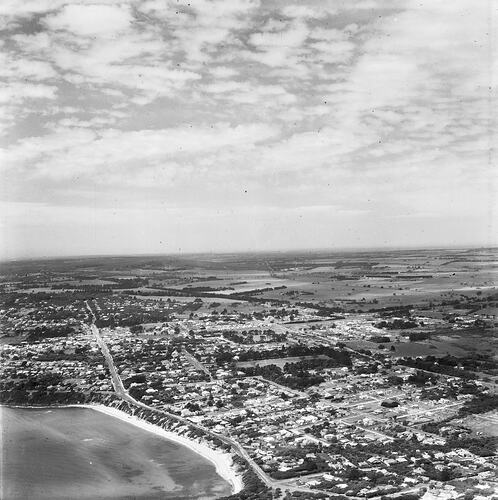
<point x="120" y="390"/>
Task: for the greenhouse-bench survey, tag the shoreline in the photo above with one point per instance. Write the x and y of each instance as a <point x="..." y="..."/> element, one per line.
<point x="222" y="461"/>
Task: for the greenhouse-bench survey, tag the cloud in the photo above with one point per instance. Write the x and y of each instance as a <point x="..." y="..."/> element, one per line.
<point x="90" y="20"/>
<point x="247" y="93"/>
<point x="199" y="26"/>
<point x="24" y="8"/>
<point x="18" y="92"/>
<point x="25" y="69"/>
<point x="291" y="36"/>
<point x="223" y="72"/>
<point x="303" y="11"/>
<point x="362" y="107"/>
<point x="75" y="152"/>
<point x="278" y="47"/>
<point x="93" y="67"/>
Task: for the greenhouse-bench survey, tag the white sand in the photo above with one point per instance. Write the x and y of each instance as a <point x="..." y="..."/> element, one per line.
<point x="222" y="461"/>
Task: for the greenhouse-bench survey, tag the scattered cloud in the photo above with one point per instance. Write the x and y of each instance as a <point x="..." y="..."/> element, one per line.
<point x="90" y="20"/>
<point x="365" y="109"/>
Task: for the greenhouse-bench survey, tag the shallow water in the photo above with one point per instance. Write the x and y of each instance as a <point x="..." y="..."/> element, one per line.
<point x="79" y="453"/>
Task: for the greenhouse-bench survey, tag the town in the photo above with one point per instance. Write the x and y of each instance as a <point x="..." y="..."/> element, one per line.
<point x="365" y="393"/>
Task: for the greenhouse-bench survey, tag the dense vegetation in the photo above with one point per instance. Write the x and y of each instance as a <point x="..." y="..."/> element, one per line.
<point x="417" y="336"/>
<point x="380" y="339"/>
<point x="296" y="378"/>
<point x="341" y="357"/>
<point x="448" y="365"/>
<point x="480" y="403"/>
<point x="50" y="331"/>
<point x="251" y="336"/>
<point x="397" y="324"/>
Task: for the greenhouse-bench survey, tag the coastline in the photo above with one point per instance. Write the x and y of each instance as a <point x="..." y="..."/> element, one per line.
<point x="222" y="461"/>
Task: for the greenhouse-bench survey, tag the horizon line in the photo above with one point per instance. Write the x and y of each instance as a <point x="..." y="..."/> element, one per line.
<point x="358" y="249"/>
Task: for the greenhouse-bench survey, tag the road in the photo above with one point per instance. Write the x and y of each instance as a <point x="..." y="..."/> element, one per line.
<point x="120" y="390"/>
<point x="427" y="411"/>
<point x="197" y="364"/>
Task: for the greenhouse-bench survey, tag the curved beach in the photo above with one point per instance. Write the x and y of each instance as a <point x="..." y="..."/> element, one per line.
<point x="222" y="461"/>
<point x="83" y="452"/>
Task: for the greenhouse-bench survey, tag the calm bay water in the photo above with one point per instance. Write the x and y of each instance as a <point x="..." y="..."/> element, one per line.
<point x="79" y="453"/>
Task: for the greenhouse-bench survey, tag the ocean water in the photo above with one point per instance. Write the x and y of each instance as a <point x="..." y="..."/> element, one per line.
<point x="79" y="453"/>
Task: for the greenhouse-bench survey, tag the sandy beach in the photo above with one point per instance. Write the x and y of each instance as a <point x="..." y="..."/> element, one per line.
<point x="93" y="451"/>
<point x="222" y="461"/>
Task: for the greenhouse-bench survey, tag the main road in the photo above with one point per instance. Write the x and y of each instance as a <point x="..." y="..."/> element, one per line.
<point x="120" y="390"/>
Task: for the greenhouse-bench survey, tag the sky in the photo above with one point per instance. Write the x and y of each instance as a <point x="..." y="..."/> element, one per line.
<point x="165" y="126"/>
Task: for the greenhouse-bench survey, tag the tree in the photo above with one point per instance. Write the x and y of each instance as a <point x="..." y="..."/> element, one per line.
<point x="354" y="474"/>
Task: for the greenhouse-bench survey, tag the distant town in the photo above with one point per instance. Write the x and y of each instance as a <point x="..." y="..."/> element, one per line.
<point x="324" y="375"/>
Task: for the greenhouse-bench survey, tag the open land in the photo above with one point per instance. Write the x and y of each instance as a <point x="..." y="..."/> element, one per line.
<point x="319" y="374"/>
